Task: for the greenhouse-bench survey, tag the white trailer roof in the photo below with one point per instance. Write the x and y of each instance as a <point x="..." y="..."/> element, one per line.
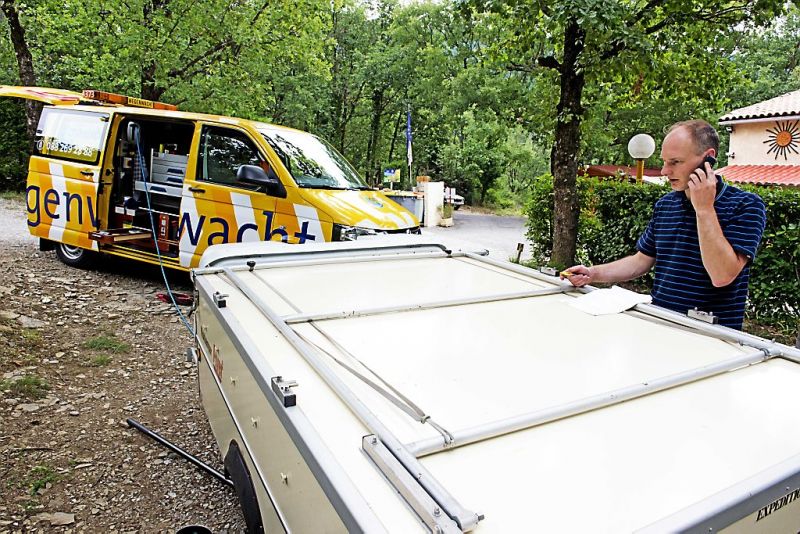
<point x="472" y="363"/>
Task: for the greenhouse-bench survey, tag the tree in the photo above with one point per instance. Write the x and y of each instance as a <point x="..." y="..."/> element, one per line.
<point x="583" y="41"/>
<point x="215" y="56"/>
<point x="476" y="157"/>
<point x="27" y="75"/>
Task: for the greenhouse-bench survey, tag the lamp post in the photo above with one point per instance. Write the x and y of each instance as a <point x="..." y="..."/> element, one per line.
<point x="640" y="147"/>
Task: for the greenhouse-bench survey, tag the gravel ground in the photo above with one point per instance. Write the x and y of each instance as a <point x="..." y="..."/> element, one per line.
<point x="80" y="352"/>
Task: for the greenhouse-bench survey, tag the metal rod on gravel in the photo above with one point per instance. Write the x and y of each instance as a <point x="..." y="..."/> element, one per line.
<point x="177" y="450"/>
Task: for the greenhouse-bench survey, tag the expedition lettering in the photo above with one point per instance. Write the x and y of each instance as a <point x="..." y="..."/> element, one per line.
<point x="777" y="504"/>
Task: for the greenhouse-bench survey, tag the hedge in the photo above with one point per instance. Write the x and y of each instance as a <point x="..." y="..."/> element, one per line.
<point x="615" y="213"/>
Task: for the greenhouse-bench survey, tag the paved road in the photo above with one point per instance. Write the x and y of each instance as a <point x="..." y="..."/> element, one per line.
<point x="499" y="235"/>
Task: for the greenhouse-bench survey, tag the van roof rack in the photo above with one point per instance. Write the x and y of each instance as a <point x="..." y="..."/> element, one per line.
<point x="122" y="100"/>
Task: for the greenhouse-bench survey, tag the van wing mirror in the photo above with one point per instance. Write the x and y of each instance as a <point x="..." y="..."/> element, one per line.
<point x="266" y="181"/>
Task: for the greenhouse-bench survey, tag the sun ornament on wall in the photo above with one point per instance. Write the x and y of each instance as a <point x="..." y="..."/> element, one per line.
<point x="782" y="139"/>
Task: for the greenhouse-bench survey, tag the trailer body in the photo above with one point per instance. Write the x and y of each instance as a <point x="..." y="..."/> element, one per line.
<point x="408" y="387"/>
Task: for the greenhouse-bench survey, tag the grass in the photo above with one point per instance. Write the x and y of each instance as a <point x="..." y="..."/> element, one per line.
<point x="12" y="195"/>
<point x="781" y="331"/>
<point x="30" y="386"/>
<point x="39" y="476"/>
<point x="31" y="335"/>
<point x="101" y="360"/>
<point x="108" y="344"/>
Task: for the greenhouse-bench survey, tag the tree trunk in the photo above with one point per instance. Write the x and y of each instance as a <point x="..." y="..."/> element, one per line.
<point x="374" y="135"/>
<point x="27" y="75"/>
<point x="149" y="89"/>
<point x="564" y="165"/>
<point x="394" y="135"/>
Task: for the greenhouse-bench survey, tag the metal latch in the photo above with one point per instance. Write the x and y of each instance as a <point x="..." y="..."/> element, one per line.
<point x="220" y="299"/>
<point x="282" y="389"/>
<point x="706" y="317"/>
<point x="548" y="271"/>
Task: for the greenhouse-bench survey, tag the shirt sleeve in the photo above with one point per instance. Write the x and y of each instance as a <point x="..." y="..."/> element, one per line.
<point x="745" y="228"/>
<point x="647" y="241"/>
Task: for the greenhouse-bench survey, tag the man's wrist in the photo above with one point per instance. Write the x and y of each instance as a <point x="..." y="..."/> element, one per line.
<point x="706" y="212"/>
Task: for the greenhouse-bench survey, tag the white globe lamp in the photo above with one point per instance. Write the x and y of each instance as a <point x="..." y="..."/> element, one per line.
<point x="640" y="147"/>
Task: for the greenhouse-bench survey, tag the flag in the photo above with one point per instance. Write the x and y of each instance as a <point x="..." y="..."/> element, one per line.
<point x="409" y="154"/>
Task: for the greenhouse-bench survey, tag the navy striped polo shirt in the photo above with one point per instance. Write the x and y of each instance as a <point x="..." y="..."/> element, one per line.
<point x="681" y="281"/>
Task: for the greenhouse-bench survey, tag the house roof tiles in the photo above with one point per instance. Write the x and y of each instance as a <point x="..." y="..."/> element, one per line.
<point x="780" y="106"/>
<point x="762" y="174"/>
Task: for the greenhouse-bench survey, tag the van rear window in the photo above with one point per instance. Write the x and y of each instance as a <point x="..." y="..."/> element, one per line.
<point x="71" y="134"/>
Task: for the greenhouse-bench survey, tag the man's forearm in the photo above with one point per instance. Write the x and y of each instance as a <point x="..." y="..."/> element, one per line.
<point x="627" y="268"/>
<point x="721" y="262"/>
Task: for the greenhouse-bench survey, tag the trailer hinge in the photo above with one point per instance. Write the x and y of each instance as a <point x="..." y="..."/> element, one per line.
<point x="283" y="389"/>
<point x="706" y="317"/>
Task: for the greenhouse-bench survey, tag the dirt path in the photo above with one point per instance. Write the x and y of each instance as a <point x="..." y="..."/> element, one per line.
<point x="81" y="351"/>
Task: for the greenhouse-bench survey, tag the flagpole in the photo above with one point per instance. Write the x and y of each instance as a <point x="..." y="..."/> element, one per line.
<point x="409" y="154"/>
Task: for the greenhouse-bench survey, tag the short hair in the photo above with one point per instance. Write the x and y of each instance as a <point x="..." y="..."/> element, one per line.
<point x="703" y="134"/>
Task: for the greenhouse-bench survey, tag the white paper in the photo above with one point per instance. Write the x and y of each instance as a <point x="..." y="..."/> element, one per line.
<point x="612" y="300"/>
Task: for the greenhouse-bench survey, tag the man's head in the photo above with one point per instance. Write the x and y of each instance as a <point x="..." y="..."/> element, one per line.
<point x="683" y="150"/>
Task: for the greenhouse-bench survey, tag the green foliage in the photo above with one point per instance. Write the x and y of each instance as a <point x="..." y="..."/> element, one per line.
<point x="39" y="476"/>
<point x="107" y="343"/>
<point x="775" y="275"/>
<point x="614" y="214"/>
<point x="101" y="360"/>
<point x="476" y="157"/>
<point x="29" y="386"/>
<point x="13" y="145"/>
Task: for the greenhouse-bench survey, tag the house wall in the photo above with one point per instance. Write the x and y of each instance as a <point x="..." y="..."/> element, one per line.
<point x="750" y="143"/>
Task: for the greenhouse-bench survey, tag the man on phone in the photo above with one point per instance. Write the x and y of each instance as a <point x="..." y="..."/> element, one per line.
<point x="702" y="238"/>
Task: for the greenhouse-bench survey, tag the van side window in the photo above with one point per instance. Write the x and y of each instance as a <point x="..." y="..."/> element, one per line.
<point x="222" y="152"/>
<point x="71" y="134"/>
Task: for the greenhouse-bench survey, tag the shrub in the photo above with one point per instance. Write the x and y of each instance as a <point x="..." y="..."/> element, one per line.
<point x="14" y="149"/>
<point x="614" y="214"/>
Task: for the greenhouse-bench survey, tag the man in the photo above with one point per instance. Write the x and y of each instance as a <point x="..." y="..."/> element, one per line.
<point x="702" y="237"/>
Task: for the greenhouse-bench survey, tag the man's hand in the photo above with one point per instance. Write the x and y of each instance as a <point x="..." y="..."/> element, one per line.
<point x="578" y="275"/>
<point x="703" y="188"/>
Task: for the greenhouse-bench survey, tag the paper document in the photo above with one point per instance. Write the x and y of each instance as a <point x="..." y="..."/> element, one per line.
<point x="612" y="300"/>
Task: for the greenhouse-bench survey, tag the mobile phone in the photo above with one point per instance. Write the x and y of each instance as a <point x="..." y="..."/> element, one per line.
<point x="711" y="160"/>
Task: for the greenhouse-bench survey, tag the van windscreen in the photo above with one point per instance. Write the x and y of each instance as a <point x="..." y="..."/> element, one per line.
<point x="312" y="162"/>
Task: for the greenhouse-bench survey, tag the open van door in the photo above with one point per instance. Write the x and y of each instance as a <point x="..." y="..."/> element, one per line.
<point x="64" y="171"/>
<point x="54" y="97"/>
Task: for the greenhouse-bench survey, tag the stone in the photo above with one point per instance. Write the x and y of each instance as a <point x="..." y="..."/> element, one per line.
<point x="56" y="519"/>
<point x="30" y="322"/>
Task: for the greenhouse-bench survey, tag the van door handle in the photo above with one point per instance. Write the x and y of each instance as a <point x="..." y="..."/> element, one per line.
<point x="197" y="190"/>
<point x="87" y="172"/>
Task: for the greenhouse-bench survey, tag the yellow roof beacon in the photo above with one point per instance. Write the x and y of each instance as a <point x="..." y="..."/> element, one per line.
<point x="140" y="179"/>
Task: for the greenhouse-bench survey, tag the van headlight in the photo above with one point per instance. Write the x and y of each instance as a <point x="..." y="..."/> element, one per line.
<point x="342" y="232"/>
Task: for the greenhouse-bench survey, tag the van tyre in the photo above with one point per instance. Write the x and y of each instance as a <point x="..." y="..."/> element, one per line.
<point x="75" y="256"/>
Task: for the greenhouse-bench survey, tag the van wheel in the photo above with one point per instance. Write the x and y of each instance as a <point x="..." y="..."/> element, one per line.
<point x="75" y="256"/>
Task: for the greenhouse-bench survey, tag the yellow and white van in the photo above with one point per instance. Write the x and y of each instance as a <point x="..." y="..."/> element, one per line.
<point x="140" y="179"/>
